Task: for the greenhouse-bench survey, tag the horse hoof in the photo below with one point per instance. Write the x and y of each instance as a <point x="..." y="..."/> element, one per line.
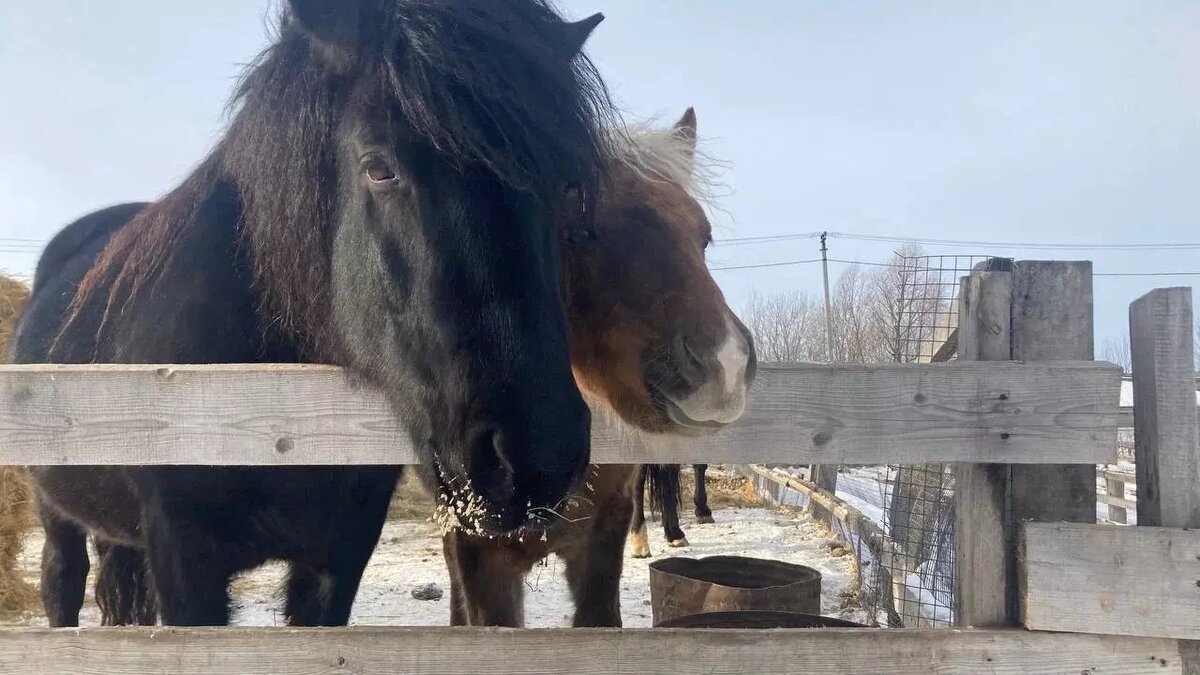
<point x="639" y="544"/>
<point x="679" y="543"/>
<point x="705" y="519"/>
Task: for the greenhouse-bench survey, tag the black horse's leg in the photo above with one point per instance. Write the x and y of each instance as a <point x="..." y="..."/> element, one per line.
<point x="352" y="548"/>
<point x="703" y="513"/>
<point x="670" y="506"/>
<point x="637" y="527"/>
<point x="123" y="589"/>
<point x="321" y="593"/>
<point x="191" y="570"/>
<point x="303" y="606"/>
<point x="594" y="566"/>
<point x="64" y="568"/>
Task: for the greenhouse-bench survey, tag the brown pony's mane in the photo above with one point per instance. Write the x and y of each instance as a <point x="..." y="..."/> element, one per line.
<point x="483" y="81"/>
<point x="670" y="155"/>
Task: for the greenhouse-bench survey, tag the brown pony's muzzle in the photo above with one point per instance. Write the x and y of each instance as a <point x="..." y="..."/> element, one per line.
<point x="704" y="377"/>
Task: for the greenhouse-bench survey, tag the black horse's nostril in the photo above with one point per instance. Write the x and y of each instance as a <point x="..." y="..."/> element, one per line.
<point x="490" y="463"/>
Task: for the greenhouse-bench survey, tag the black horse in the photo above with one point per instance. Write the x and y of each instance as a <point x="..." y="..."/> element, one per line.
<point x="383" y="200"/>
<point x="665" y="497"/>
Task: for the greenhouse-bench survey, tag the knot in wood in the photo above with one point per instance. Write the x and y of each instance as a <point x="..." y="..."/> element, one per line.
<point x="821" y="438"/>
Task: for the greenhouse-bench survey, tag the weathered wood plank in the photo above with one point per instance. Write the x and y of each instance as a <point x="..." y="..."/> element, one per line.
<point x="1116" y="502"/>
<point x="313" y="415"/>
<point x="1108" y="579"/>
<point x="1118" y="506"/>
<point x="1164" y="394"/>
<point x="827" y="506"/>
<point x="371" y="651"/>
<point x="1053" y="319"/>
<point x="983" y="539"/>
<point x="824" y="476"/>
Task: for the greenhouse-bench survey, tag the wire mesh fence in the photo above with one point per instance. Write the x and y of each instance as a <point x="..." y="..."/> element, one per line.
<point x="918" y="518"/>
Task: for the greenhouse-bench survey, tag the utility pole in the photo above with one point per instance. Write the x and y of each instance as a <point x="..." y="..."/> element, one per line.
<point x="828" y="309"/>
<point x="825" y="475"/>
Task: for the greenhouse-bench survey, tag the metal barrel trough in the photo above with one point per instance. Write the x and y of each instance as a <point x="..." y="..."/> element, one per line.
<point x="683" y="587"/>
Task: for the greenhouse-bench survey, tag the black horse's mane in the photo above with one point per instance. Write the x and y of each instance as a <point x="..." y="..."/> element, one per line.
<point x="489" y="83"/>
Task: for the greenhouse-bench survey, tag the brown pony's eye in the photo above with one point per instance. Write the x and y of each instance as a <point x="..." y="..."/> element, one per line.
<point x="708" y="240"/>
<point x="378" y="170"/>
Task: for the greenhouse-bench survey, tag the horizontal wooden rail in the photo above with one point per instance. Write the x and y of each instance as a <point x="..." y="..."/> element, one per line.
<point x="1125" y="416"/>
<point x="1124" y="476"/>
<point x="1107" y="579"/>
<point x="370" y="651"/>
<point x="1112" y="500"/>
<point x="1047" y="412"/>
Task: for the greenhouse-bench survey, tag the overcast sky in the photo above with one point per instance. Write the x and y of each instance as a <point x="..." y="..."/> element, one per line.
<point x="1051" y="122"/>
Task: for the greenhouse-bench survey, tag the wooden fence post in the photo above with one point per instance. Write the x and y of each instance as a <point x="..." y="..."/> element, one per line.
<point x="1052" y="319"/>
<point x="1115" y="488"/>
<point x="1164" y="411"/>
<point x="983" y="551"/>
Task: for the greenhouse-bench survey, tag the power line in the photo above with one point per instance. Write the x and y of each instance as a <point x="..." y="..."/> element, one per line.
<point x="1142" y="246"/>
<point x="896" y="239"/>
<point x="1147" y="274"/>
<point x="786" y="263"/>
<point x="768" y="239"/>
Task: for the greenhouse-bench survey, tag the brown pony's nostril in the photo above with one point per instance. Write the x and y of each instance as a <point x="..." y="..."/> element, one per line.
<point x="689" y="361"/>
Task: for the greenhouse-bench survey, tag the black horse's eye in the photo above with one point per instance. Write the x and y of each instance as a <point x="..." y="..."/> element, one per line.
<point x="378" y="170"/>
<point x="708" y="240"/>
<point x="581" y="234"/>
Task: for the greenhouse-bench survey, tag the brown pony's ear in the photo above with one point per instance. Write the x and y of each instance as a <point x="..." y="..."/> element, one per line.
<point x="685" y="128"/>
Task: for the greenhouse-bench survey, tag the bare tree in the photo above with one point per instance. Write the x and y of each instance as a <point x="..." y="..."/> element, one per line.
<point x="786" y="326"/>
<point x="885" y="314"/>
<point x="1116" y="350"/>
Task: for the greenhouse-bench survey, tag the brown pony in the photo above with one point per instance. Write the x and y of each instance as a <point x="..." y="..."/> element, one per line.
<point x="655" y="350"/>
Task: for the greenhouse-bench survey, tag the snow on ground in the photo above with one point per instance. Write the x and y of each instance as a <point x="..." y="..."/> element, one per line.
<point x="409" y="554"/>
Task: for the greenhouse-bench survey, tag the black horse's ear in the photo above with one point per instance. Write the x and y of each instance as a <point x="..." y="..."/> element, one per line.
<point x="335" y="25"/>
<point x="576" y="34"/>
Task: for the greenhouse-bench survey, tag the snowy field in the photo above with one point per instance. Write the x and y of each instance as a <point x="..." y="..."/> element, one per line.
<point x="409" y="555"/>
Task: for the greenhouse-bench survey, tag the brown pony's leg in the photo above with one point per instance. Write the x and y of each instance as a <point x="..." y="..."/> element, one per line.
<point x="640" y="547"/>
<point x="458" y="609"/>
<point x="493" y="581"/>
<point x="594" y="564"/>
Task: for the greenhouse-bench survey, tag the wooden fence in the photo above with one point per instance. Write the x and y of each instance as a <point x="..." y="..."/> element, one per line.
<point x="1025" y="433"/>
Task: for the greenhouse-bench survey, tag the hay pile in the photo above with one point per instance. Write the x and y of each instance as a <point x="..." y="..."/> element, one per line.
<point x="13" y="295"/>
<point x="16" y="492"/>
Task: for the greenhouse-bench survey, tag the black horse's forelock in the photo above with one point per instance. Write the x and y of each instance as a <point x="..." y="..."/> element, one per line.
<point x="488" y="83"/>
<point x="492" y="82"/>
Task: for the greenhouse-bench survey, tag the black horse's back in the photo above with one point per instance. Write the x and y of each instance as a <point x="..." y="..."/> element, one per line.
<point x="84" y="238"/>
